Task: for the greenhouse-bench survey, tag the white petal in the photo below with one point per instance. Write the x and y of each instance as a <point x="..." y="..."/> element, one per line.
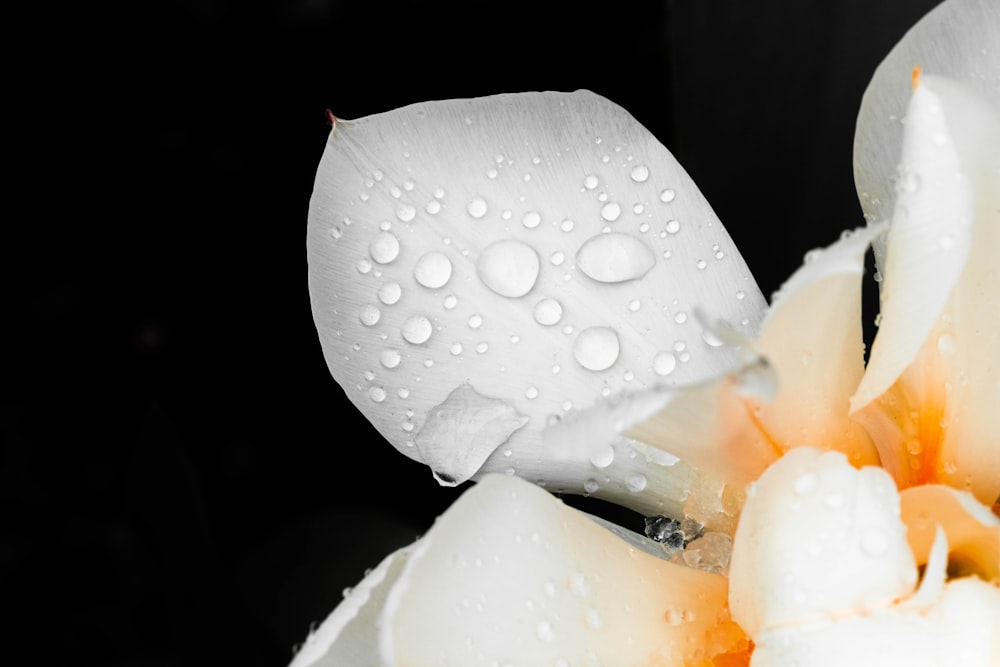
<point x="460" y="243"/>
<point x="510" y="575"/>
<point x="813" y="339"/>
<point x="959" y="39"/>
<point x="818" y="540"/>
<point x="937" y="344"/>
<point x="349" y="635"/>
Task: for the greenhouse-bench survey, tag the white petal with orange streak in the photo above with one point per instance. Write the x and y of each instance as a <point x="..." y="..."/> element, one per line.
<point x="812" y="337"/>
<point x="510" y="575"/>
<point x="441" y="237"/>
<point x="936" y="352"/>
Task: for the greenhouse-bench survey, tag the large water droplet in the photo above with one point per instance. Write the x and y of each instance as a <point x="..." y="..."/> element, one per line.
<point x="369" y="315"/>
<point x="384" y="248"/>
<point x="664" y="363"/>
<point x="477" y="207"/>
<point x="508" y="267"/>
<point x="390" y="293"/>
<point x="548" y="311"/>
<point x="611" y="211"/>
<point x="417" y="330"/>
<point x="433" y="270"/>
<point x="614" y="258"/>
<point x="531" y="219"/>
<point x="639" y="173"/>
<point x="596" y="348"/>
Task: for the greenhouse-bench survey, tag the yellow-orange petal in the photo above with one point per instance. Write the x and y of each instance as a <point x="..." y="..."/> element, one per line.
<point x="973" y="532"/>
<point x="813" y="337"/>
<point x="510" y="575"/>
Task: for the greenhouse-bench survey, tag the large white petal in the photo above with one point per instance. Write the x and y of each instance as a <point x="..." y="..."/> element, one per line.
<point x="959" y="39"/>
<point x="479" y="267"/>
<point x="510" y="575"/>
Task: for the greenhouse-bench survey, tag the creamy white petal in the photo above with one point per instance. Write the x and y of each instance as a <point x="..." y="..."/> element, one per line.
<point x="959" y="39"/>
<point x="935" y="354"/>
<point x="539" y="250"/>
<point x="812" y="337"/>
<point x="510" y="575"/>
<point x="818" y="540"/>
<point x="349" y="635"/>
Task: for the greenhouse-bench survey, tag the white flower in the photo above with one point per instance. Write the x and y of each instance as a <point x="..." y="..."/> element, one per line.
<point x="530" y="284"/>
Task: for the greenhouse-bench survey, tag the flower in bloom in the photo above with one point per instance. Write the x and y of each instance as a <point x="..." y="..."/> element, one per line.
<point x="528" y="291"/>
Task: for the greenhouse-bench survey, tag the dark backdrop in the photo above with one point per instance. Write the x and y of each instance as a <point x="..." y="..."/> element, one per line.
<point x="184" y="483"/>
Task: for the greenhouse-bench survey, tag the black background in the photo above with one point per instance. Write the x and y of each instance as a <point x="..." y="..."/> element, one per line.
<point x="183" y="481"/>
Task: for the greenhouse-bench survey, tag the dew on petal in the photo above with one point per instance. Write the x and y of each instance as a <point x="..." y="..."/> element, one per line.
<point x="611" y="211"/>
<point x="477" y="207"/>
<point x="390" y="293"/>
<point x="548" y="311"/>
<point x="377" y="394"/>
<point x="390" y="358"/>
<point x="531" y="219"/>
<point x="369" y="315"/>
<point x="596" y="348"/>
<point x="433" y="270"/>
<point x="673" y="226"/>
<point x="433" y="207"/>
<point x="664" y="363"/>
<point x="614" y="257"/>
<point x="636" y="483"/>
<point x="639" y="173"/>
<point x="667" y="196"/>
<point x="417" y="330"/>
<point x="508" y="267"/>
<point x="406" y="213"/>
<point x="384" y="248"/>
<point x="590" y="181"/>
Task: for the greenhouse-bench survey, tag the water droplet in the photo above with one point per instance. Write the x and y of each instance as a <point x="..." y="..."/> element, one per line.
<point x="369" y="315"/>
<point x="578" y="584"/>
<point x="673" y="226"/>
<point x="450" y="302"/>
<point x="638" y="209"/>
<point x="567" y="225"/>
<point x="634" y="305"/>
<point x="596" y="348"/>
<point x="593" y="619"/>
<point x="508" y="267"/>
<point x="591" y="486"/>
<point x="664" y="363"/>
<point x="590" y="181"/>
<point x="433" y="270"/>
<point x="433" y="207"/>
<point x="477" y="207"/>
<point x="544" y="631"/>
<point x="611" y="211"/>
<point x="639" y="173"/>
<point x="336" y="232"/>
<point x="390" y="293"/>
<point x="667" y="196"/>
<point x="475" y="321"/>
<point x="377" y="394"/>
<point x="680" y="318"/>
<point x="946" y="344"/>
<point x="406" y="213"/>
<point x="363" y="266"/>
<point x="635" y="483"/>
<point x="384" y="248"/>
<point x="614" y="257"/>
<point x="740" y="295"/>
<point x="438" y="193"/>
<point x="417" y="330"/>
<point x="531" y="219"/>
<point x="701" y="264"/>
<point x="557" y="258"/>
<point x="874" y="542"/>
<point x="531" y="392"/>
<point x="482" y="347"/>
<point x="548" y="311"/>
<point x="395" y="192"/>
<point x="805" y="484"/>
<point x="602" y="457"/>
<point x="390" y="358"/>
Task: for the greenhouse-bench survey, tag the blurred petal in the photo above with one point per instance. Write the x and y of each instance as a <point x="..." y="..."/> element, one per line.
<point x="459" y="244"/>
<point x="930" y="393"/>
<point x="812" y="337"/>
<point x="957" y="39"/>
<point x="973" y="531"/>
<point x="818" y="540"/>
<point x="510" y="575"/>
<point x="349" y="635"/>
